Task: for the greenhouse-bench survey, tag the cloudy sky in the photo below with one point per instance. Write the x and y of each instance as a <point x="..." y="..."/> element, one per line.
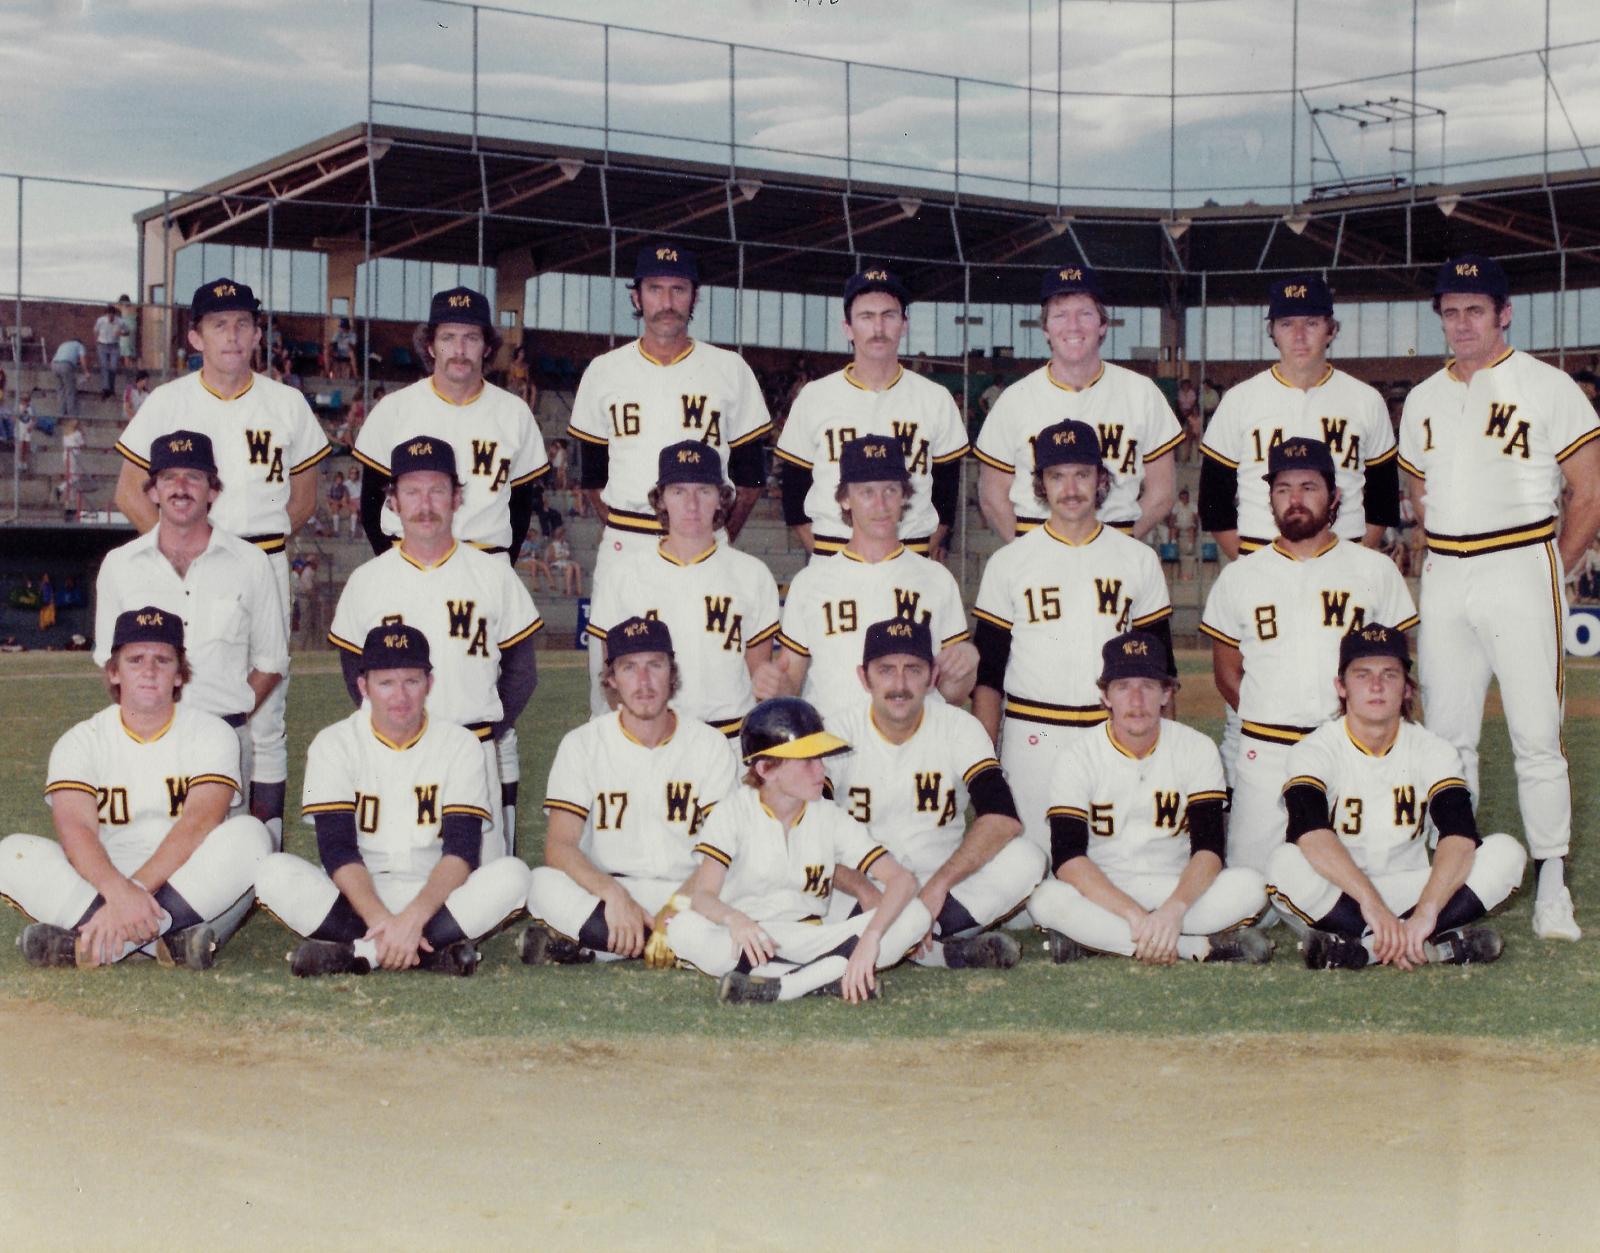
<point x="173" y="93"/>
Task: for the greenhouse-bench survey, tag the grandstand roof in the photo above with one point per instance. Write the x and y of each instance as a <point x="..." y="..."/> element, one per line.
<point x="804" y="233"/>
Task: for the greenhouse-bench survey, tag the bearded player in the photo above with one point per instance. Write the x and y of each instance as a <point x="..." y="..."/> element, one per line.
<point x="1354" y="879"/>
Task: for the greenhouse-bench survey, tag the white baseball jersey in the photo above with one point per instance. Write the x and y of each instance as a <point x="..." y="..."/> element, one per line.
<point x="261" y="438"/>
<point x="637" y="406"/>
<point x="1135" y="424"/>
<point x="1490" y="452"/>
<point x="1377" y="802"/>
<point x="497" y="446"/>
<point x="779" y="876"/>
<point x="1264" y="410"/>
<point x="1060" y="602"/>
<point x="139" y="784"/>
<point x="717" y="607"/>
<point x="1137" y="808"/>
<point x="1287" y="617"/>
<point x="228" y="601"/>
<point x="832" y="602"/>
<point x="913" y="796"/>
<point x="831" y="411"/>
<point x="642" y="807"/>
<point x="470" y="605"/>
<point x="400" y="794"/>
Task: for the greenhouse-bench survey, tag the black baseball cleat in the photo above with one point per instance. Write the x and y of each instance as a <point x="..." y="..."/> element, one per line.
<point x="1063" y="948"/>
<point x="1246" y="945"/>
<point x="459" y="959"/>
<point x="194" y="948"/>
<point x="738" y="988"/>
<point x="989" y="950"/>
<point x="45" y="945"/>
<point x="1323" y="950"/>
<point x="540" y="946"/>
<point x="326" y="957"/>
<point x="1465" y="946"/>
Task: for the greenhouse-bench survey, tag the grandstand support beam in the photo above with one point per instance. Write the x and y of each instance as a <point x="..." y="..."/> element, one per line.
<point x="903" y="209"/>
<point x="501" y="196"/>
<point x="512" y="270"/>
<point x="291" y="182"/>
<point x="673" y="214"/>
<point x="161" y="240"/>
<point x="1173" y="305"/>
<point x="1526" y="228"/>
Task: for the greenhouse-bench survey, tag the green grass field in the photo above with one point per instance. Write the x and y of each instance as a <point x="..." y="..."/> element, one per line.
<point x="1537" y="993"/>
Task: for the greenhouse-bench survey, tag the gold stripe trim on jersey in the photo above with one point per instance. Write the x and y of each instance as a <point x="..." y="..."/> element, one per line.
<point x="595" y="631"/>
<point x="329" y="807"/>
<point x="1408" y="624"/>
<point x="345" y="644"/>
<point x="394" y="744"/>
<point x="1057" y="715"/>
<point x="978" y="767"/>
<point x="472" y="811"/>
<point x="994" y="463"/>
<point x="867" y="862"/>
<point x="566" y="807"/>
<point x="653" y="361"/>
<point x="662" y="552"/>
<point x="729" y="727"/>
<point x="201" y="379"/>
<point x="1560" y="616"/>
<point x="634" y="739"/>
<point x="458" y="404"/>
<point x="1450" y="365"/>
<point x="851" y="555"/>
<point x="1382" y="457"/>
<point x="872" y="721"/>
<point x="1274" y="733"/>
<point x="1491" y="541"/>
<point x="227" y="781"/>
<point x="531" y="475"/>
<point x="400" y="547"/>
<point x="1308" y="780"/>
<point x="827" y="545"/>
<point x="1327" y="373"/>
<point x="268" y="544"/>
<point x="635" y="523"/>
<point x="1411" y="469"/>
<point x="1161" y="452"/>
<point x="480" y="730"/>
<point x="1157" y="616"/>
<point x="71" y="785"/>
<point x="369" y="462"/>
<point x="1277" y="896"/>
<point x="1370" y="752"/>
<point x="713" y="852"/>
<point x="132" y="456"/>
<point x="325" y="451"/>
<point x="783" y="454"/>
<point x="899" y="373"/>
<point x="1443" y="784"/>
<point x="532" y="629"/>
<point x="1251" y="544"/>
<point x="761" y="636"/>
<point x="1578" y="443"/>
<point x="960" y="637"/>
<point x="792" y="645"/>
<point x="585" y="436"/>
<point x="1124" y="749"/>
<point x="946" y="458"/>
<point x="1278" y="547"/>
<point x="146" y="739"/>
<point x="1062" y="539"/>
<point x="1207" y="451"/>
<point x="1125" y="527"/>
<point x="1197" y="797"/>
<point x="1025" y="525"/>
<point x="759" y="433"/>
<point x="991" y="619"/>
<point x="1220" y="636"/>
<point x="1068" y="387"/>
<point x="1067" y="811"/>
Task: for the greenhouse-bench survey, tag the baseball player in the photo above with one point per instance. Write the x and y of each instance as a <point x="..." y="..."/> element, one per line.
<point x="915" y="766"/>
<point x="222" y="589"/>
<point x="1275" y="618"/>
<point x="721" y="604"/>
<point x="1136" y="427"/>
<point x="474" y="609"/>
<point x="145" y="854"/>
<point x="628" y="793"/>
<point x="873" y="395"/>
<point x="400" y="802"/>
<point x="266" y="442"/>
<point x="1354" y="878"/>
<point x="831" y="603"/>
<point x="754" y="911"/>
<point x="1046" y="603"/>
<point x="1120" y="799"/>
<point x="1487" y="444"/>
<point x="496" y="440"/>
<point x="1302" y="396"/>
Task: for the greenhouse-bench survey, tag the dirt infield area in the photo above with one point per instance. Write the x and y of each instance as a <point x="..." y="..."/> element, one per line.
<point x="118" y="1134"/>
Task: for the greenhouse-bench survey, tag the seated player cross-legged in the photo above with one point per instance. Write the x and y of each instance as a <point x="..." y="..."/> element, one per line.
<point x="139" y="795"/>
<point x="628" y="792"/>
<point x="1121" y="801"/>
<point x="400" y="803"/>
<point x="916" y="763"/>
<point x="755" y="906"/>
<point x="1354" y="879"/>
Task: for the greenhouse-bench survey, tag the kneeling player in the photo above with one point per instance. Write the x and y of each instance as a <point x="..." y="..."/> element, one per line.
<point x="627" y="794"/>
<point x="914" y="766"/>
<point x="768" y="853"/>
<point x="1120" y="798"/>
<point x="1354" y="878"/>
<point x="400" y="804"/>
<point x="139" y="794"/>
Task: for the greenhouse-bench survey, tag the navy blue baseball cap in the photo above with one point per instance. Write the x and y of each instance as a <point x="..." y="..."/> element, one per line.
<point x="1134" y="655"/>
<point x="1300" y="453"/>
<point x="461" y="304"/>
<point x="872" y="459"/>
<point x="222" y="295"/>
<point x="665" y="259"/>
<point x="1472" y="274"/>
<point x="1066" y="443"/>
<point x="182" y="450"/>
<point x="395" y="647"/>
<point x="1374" y="640"/>
<point x="147" y="626"/>
<point x="897" y="637"/>
<point x="689" y="461"/>
<point x="1299" y="296"/>
<point x="1064" y="280"/>
<point x="638" y="635"/>
<point x="422" y="452"/>
<point x="875" y="279"/>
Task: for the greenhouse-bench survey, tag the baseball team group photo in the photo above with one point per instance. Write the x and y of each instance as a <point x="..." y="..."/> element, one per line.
<point x="639" y="638"/>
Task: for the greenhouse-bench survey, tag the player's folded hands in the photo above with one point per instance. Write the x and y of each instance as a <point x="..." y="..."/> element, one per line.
<point x="753" y="942"/>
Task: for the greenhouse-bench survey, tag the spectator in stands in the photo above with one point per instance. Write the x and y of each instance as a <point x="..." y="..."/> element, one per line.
<point x="23" y="448"/>
<point x="107" y="336"/>
<point x="338" y="501"/>
<point x="989" y="395"/>
<point x="532" y="555"/>
<point x="1189" y="419"/>
<point x="47" y="602"/>
<point x="1184" y="524"/>
<point x="519" y="379"/>
<point x="1210" y="398"/>
<point x="127" y="321"/>
<point x="306" y="610"/>
<point x="2" y="389"/>
<point x="70" y="363"/>
<point x="70" y="489"/>
<point x="562" y="565"/>
<point x="134" y="394"/>
<point x="342" y="352"/>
